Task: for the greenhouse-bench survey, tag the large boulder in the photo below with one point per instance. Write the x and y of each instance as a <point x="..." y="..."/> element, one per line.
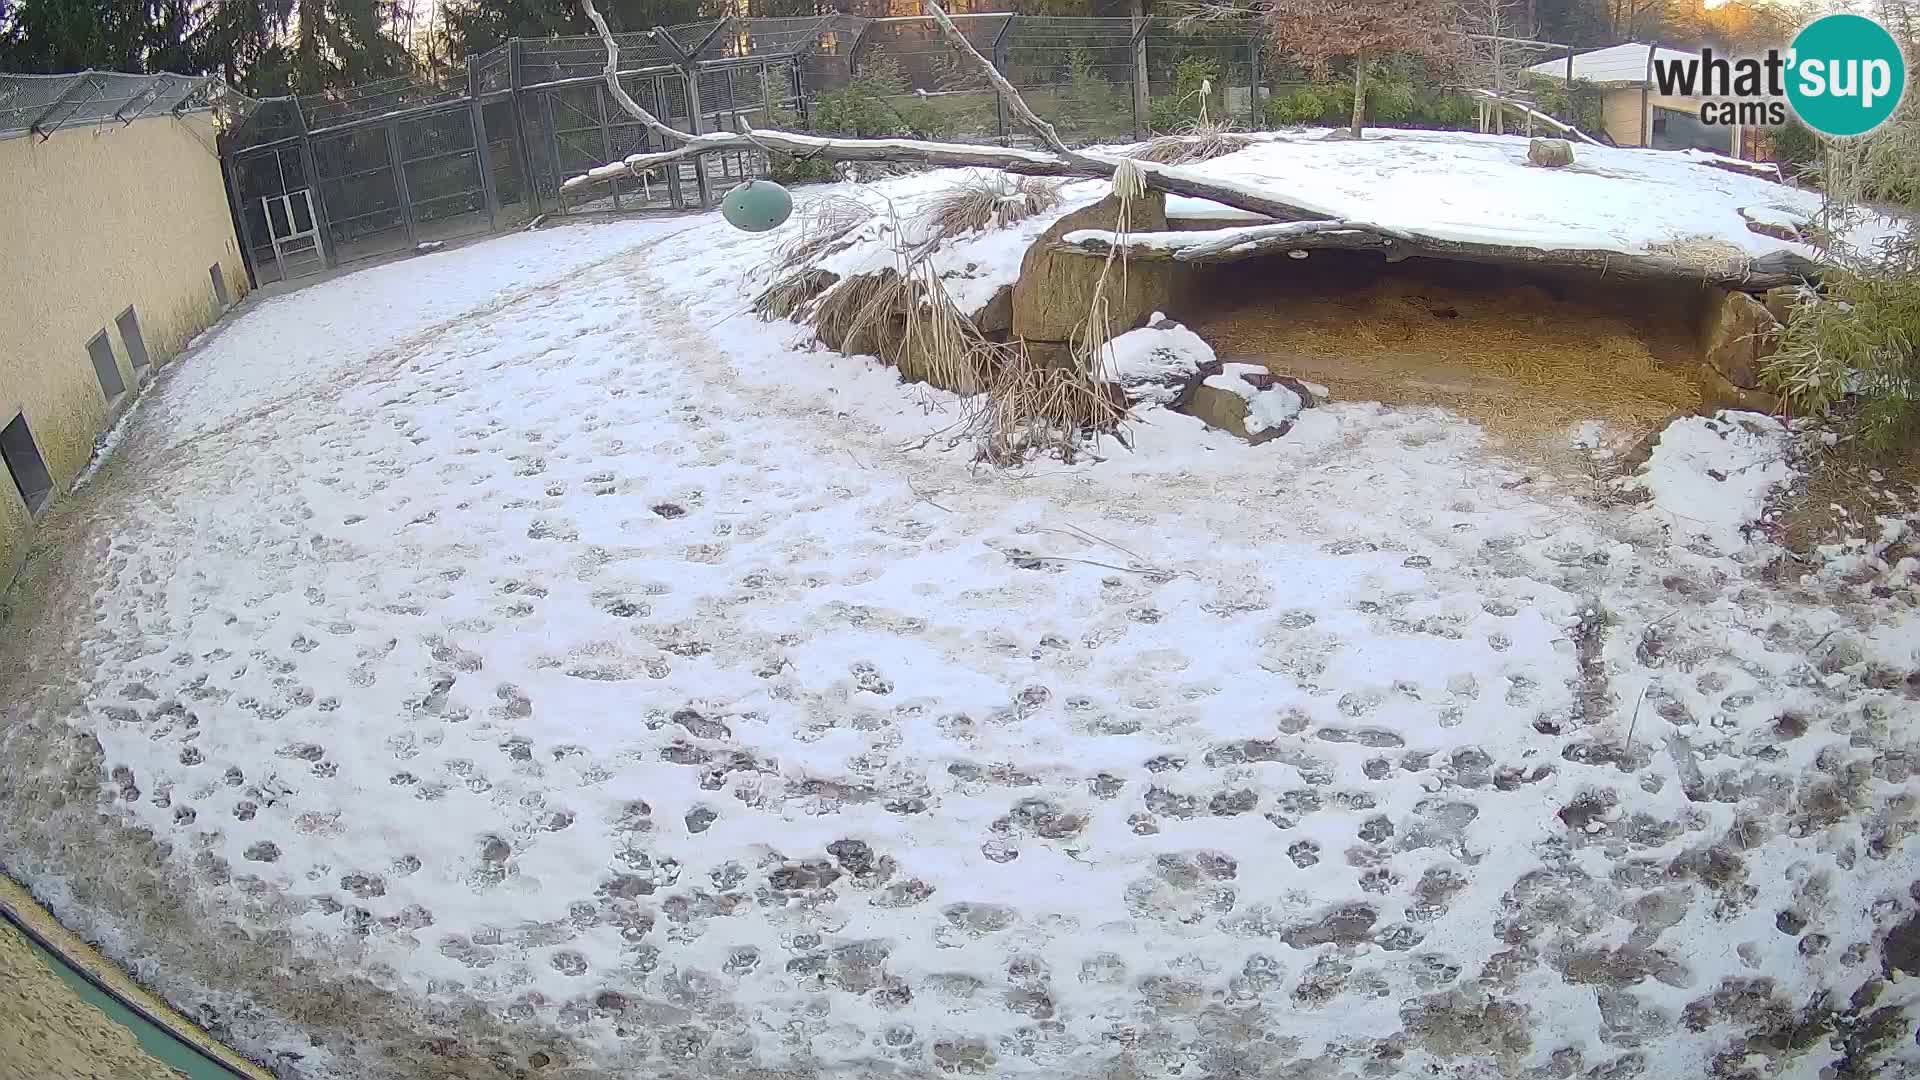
<point x="995" y="318"/>
<point x="1717" y="392"/>
<point x="1249" y="401"/>
<point x="1550" y="153"/>
<point x="1055" y="290"/>
<point x="1782" y="299"/>
<point x="1735" y="332"/>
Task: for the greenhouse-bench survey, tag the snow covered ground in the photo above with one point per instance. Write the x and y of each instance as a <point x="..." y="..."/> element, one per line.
<point x="521" y="658"/>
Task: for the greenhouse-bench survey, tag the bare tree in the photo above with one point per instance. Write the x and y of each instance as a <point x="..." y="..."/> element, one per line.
<point x="1321" y="30"/>
<point x="1493" y="62"/>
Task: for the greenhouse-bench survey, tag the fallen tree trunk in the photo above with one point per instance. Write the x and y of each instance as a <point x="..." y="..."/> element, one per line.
<point x="1255" y="241"/>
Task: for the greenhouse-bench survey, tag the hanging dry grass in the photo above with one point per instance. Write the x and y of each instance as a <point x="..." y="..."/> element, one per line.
<point x="790" y="294"/>
<point x="827" y="224"/>
<point x="1196" y="141"/>
<point x="852" y="316"/>
<point x="987" y="200"/>
<point x="1032" y="407"/>
<point x="1012" y="404"/>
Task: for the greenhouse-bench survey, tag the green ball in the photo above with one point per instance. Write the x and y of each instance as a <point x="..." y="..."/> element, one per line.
<point x="756" y="206"/>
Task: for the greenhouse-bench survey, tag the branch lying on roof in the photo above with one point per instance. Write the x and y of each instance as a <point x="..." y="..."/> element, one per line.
<point x="1254" y="241"/>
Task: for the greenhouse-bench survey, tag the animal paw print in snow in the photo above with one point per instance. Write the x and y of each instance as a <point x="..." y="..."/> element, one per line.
<point x="868" y="679"/>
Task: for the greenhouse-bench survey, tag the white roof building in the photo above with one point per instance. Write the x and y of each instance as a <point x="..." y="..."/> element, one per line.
<point x="1613" y="66"/>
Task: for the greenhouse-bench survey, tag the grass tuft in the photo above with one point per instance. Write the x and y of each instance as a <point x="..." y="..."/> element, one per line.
<point x="827" y="224"/>
<point x="792" y="293"/>
<point x="1196" y="141"/>
<point x="987" y="200"/>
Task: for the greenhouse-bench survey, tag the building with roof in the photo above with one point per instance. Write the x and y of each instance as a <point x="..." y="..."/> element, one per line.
<point x="116" y="247"/>
<point x="1633" y="111"/>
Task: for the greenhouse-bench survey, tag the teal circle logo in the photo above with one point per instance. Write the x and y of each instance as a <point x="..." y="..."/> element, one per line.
<point x="1847" y="75"/>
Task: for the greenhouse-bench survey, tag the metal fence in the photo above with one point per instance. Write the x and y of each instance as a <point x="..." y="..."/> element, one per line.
<point x="39" y="105"/>
<point x="327" y="179"/>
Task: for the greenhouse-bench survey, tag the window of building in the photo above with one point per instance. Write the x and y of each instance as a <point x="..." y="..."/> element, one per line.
<point x="24" y="463"/>
<point x="129" y="324"/>
<point x="105" y="367"/>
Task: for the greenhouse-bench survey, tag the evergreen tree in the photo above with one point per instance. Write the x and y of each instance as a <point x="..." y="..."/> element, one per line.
<point x="49" y="36"/>
<point x="475" y="26"/>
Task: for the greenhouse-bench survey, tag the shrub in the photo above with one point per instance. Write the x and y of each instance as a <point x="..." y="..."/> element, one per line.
<point x="1184" y="105"/>
<point x="1855" y="351"/>
<point x="1578" y="103"/>
<point x="878" y="103"/>
<point x="1089" y="106"/>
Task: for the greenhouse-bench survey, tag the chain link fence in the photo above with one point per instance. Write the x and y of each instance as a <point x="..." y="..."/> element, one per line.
<point x="328" y="179"/>
<point x="39" y="105"/>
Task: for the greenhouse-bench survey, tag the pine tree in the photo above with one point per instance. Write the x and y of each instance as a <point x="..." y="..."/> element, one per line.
<point x="475" y="26"/>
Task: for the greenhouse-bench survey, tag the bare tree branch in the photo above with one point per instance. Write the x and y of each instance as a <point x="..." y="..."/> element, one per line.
<point x="1015" y="103"/>
<point x="619" y="92"/>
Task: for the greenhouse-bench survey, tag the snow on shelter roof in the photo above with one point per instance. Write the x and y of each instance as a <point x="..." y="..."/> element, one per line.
<point x="1616" y="64"/>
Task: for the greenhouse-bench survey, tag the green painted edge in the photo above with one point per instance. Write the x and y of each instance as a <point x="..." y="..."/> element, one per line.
<point x="154" y="1036"/>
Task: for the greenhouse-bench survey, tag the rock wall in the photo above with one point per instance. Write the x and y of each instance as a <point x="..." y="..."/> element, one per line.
<point x="1056" y="288"/>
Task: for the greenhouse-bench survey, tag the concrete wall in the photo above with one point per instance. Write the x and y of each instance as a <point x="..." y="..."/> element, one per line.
<point x="1621" y="110"/>
<point x="92" y="220"/>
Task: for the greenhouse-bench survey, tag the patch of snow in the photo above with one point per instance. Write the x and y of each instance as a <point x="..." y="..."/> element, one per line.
<point x="1150" y="363"/>
<point x="972" y="267"/>
<point x="1189" y="208"/>
<point x="1267" y="407"/>
<point x="1774" y="215"/>
<point x="1710" y="476"/>
<point x="1272" y="407"/>
<point x="109" y="442"/>
<point x="1470" y="187"/>
<point x="322" y="333"/>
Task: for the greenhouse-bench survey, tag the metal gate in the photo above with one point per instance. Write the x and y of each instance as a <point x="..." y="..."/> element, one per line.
<point x="294" y="233"/>
<point x="261" y="176"/>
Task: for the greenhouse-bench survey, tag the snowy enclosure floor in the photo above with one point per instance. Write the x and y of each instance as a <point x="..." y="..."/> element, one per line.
<point x="519" y="657"/>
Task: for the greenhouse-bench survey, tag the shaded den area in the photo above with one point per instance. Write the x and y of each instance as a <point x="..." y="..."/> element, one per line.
<point x="1528" y="354"/>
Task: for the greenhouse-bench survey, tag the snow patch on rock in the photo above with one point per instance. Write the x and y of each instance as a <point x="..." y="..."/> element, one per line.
<point x="1154" y="363"/>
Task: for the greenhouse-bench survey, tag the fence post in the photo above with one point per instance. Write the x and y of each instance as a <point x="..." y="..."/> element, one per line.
<point x="529" y="183"/>
<point x="328" y="257"/>
<point x="482" y="153"/>
<point x="695" y="122"/>
<point x="1142" y="106"/>
<point x="400" y="181"/>
<point x="229" y="173"/>
<point x="606" y="138"/>
<point x="664" y="102"/>
<point x="553" y="152"/>
<point x="1253" y="85"/>
<point x="1000" y="65"/>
